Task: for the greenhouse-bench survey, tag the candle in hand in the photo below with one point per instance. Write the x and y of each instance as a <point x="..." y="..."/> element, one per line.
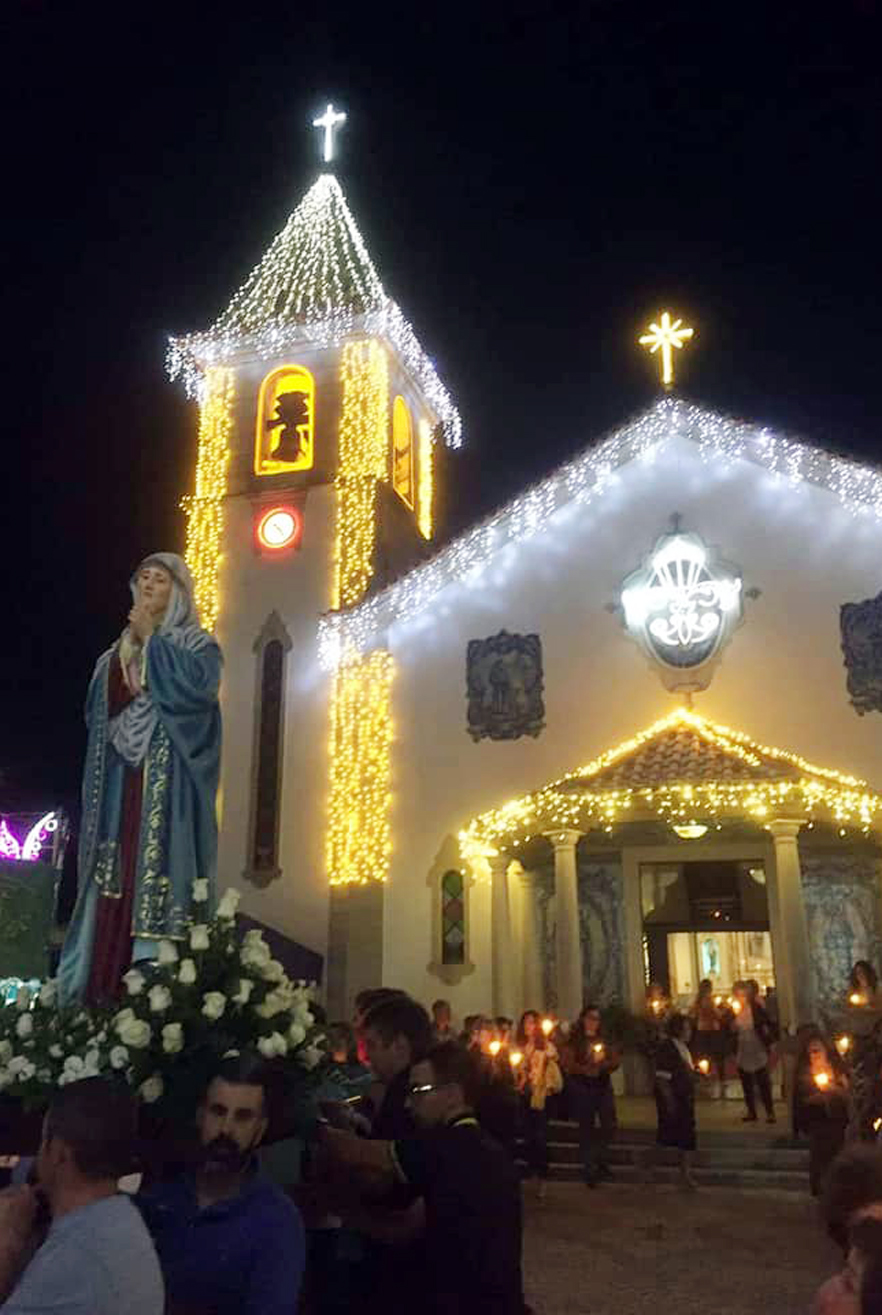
<point x="548" y="1026"/>
<point x="843" y="1044"/>
<point x="736" y="1006"/>
<point x="704" y="1066"/>
<point x="857" y="999"/>
<point x="598" y="1049"/>
<point x="495" y="1047"/>
<point x="822" y="1081"/>
<point x="515" y="1058"/>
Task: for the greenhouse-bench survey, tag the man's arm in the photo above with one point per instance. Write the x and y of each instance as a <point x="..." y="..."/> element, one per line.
<point x="395" y="1226"/>
<point x="18" y="1209"/>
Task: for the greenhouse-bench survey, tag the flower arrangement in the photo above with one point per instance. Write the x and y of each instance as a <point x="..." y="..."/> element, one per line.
<point x="203" y="998"/>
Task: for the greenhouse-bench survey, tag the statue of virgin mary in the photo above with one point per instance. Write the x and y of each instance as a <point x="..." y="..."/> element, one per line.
<point x="149" y="824"/>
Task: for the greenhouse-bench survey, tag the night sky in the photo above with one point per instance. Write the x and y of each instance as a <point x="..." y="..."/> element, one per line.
<point x="533" y="180"/>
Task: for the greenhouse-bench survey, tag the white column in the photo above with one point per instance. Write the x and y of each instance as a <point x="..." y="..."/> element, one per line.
<point x="567" y="941"/>
<point x="528" y="941"/>
<point x="502" y="939"/>
<point x="794" y="984"/>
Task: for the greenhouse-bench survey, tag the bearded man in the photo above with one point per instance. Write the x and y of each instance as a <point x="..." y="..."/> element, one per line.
<point x="229" y="1242"/>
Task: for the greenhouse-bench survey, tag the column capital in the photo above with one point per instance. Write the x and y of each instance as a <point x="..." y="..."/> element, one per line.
<point x="564" y="839"/>
<point x="498" y="864"/>
<point x="786" y="828"/>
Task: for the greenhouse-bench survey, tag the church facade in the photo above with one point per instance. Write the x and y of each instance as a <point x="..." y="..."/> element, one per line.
<point x="619" y="731"/>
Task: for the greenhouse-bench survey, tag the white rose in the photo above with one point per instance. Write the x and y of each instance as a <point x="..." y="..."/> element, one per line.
<point x="74" y="1066"/>
<point x="16" y="1064"/>
<point x="173" y="1038"/>
<point x="27" y="1071"/>
<point x="199" y="937"/>
<point x="93" y="1060"/>
<point x="119" y="1057"/>
<point x="213" y="1005"/>
<point x="168" y="954"/>
<point x="5" y="1051"/>
<point x="135" y="1033"/>
<point x="273" y="971"/>
<point x="152" y="1089"/>
<point x="187" y="972"/>
<point x="48" y="994"/>
<point x="229" y="904"/>
<point x="22" y="998"/>
<point x="272" y="1045"/>
<point x="243" y="995"/>
<point x="310" y="1056"/>
<point x="273" y="1004"/>
<point x="296" y="1034"/>
<point x="160" y="999"/>
<point x="200" y="890"/>
<point x="134" y="981"/>
<point x="25" y="1025"/>
<point x="55" y="1051"/>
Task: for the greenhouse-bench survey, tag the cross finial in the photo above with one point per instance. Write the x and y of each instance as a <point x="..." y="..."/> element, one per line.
<point x="666" y="335"/>
<point x="329" y="121"/>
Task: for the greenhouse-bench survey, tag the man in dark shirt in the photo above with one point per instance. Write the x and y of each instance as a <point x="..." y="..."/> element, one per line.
<point x="469" y="1188"/>
<point x="229" y="1242"/>
<point x="396" y="1033"/>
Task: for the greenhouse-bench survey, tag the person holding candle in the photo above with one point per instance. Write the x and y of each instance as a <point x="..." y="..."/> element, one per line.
<point x="708" y="1039"/>
<point x="754" y="1036"/>
<point x="863" y="986"/>
<point x="820" y="1103"/>
<point x="537" y="1077"/>
<point x="675" y="1096"/>
<point x="589" y="1060"/>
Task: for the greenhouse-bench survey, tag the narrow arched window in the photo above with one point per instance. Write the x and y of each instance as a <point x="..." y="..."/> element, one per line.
<point x="263" y="852"/>
<point x="402" y="452"/>
<point x="453" y="918"/>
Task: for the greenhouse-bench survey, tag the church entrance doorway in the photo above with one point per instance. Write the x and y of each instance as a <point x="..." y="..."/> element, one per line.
<point x="706" y="919"/>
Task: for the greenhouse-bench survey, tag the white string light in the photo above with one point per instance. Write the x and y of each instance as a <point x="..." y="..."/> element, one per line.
<point x="316" y="285"/>
<point x="719" y="439"/>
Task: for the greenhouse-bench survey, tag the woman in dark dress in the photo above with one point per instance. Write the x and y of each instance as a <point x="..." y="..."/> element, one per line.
<point x="820" y="1104"/>
<point x="675" y="1096"/>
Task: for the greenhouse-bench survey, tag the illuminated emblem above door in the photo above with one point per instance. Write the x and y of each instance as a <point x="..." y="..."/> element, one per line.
<point x="682" y="605"/>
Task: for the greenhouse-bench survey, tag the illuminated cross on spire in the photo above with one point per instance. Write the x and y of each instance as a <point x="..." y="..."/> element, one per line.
<point x="329" y="121"/>
<point x="666" y="335"/>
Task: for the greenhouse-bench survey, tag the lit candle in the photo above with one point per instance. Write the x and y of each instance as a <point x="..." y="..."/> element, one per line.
<point x="843" y="1044"/>
<point x="822" y="1081"/>
<point x="736" y="1006"/>
<point x="656" y="1006"/>
<point x="877" y="1124"/>
<point x="494" y="1048"/>
<point x="598" y="1048"/>
<point x="548" y="1026"/>
<point x="718" y="1000"/>
<point x="857" y="999"/>
<point x="515" y="1058"/>
<point x="704" y="1066"/>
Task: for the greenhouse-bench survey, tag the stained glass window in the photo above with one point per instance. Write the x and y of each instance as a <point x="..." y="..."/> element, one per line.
<point x="269" y="747"/>
<point x="453" y="928"/>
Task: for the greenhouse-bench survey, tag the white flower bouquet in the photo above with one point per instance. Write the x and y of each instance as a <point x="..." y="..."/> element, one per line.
<point x="205" y="996"/>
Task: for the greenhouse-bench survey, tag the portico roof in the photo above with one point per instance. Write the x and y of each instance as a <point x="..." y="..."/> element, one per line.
<point x="683" y="769"/>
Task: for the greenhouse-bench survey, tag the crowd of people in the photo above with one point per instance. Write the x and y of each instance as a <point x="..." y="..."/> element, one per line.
<point x="419" y="1137"/>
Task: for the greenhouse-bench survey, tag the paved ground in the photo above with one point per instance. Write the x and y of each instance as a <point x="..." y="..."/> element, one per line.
<point x="623" y="1250"/>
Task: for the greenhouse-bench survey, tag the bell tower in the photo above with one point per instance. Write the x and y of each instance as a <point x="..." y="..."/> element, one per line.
<point x="319" y="413"/>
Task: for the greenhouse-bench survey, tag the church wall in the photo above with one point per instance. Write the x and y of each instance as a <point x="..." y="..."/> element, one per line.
<point x="781" y="679"/>
<point x="297" y="586"/>
<point x="842" y="899"/>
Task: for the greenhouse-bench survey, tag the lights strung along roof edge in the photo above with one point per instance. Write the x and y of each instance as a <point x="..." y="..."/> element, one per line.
<point x="230" y="340"/>
<point x="719" y="439"/>
<point x="555" y="806"/>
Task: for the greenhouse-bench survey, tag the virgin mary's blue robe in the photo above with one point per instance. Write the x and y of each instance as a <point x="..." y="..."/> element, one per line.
<point x="177" y="841"/>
